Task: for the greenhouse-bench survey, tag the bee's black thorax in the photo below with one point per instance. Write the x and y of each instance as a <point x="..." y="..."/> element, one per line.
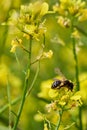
<point x="62" y="83"/>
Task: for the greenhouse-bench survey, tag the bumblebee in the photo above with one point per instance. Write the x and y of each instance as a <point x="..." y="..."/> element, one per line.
<point x="62" y="83"/>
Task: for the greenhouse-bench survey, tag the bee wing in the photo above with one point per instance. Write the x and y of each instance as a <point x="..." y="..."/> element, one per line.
<point x="54" y="79"/>
<point x="59" y="72"/>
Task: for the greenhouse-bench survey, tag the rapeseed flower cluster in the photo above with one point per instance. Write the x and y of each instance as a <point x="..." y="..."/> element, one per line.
<point x="70" y="9"/>
<point x="30" y="22"/>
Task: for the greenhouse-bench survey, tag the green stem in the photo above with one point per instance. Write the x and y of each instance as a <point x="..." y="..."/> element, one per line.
<point x="35" y="77"/>
<point x="76" y="65"/>
<point x="80" y="118"/>
<point x="21" y="105"/>
<point x="25" y="89"/>
<point x="77" y="77"/>
<point x="59" y="119"/>
<point x="30" y="47"/>
<point x="9" y="101"/>
<point x="44" y="40"/>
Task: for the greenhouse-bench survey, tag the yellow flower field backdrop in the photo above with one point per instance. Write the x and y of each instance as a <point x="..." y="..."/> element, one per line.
<point x="43" y="65"/>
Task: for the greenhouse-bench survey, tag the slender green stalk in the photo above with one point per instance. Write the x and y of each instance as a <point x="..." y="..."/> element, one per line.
<point x="21" y="105"/>
<point x="35" y="77"/>
<point x="9" y="100"/>
<point x="76" y="65"/>
<point x="25" y="89"/>
<point x="59" y="119"/>
<point x="68" y="127"/>
<point x="77" y="77"/>
<point x="30" y="47"/>
<point x="44" y="40"/>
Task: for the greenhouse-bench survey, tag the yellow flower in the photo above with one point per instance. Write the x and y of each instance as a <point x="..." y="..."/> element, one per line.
<point x="53" y="93"/>
<point x="45" y="87"/>
<point x="45" y="126"/>
<point x="26" y="36"/>
<point x="77" y="98"/>
<point x="73" y="10"/>
<point x="83" y="15"/>
<point x="30" y="29"/>
<point x="55" y="7"/>
<point x="48" y="54"/>
<point x="36" y="8"/>
<point x="59" y="8"/>
<point x="76" y="34"/>
<point x="42" y="29"/>
<point x="65" y="98"/>
<point x="38" y="117"/>
<point x="62" y="103"/>
<point x="44" y="9"/>
<point x="30" y="20"/>
<point x="5" y="76"/>
<point x="15" y="43"/>
<point x="64" y="22"/>
<point x="4" y="72"/>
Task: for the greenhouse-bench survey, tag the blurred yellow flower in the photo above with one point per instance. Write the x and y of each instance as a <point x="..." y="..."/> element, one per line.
<point x="26" y="36"/>
<point x="65" y="98"/>
<point x="45" y="126"/>
<point x="30" y="20"/>
<point x="30" y="29"/>
<point x="48" y="54"/>
<point x="62" y="103"/>
<point x="52" y="106"/>
<point x="38" y="117"/>
<point x="55" y="7"/>
<point x="77" y="97"/>
<point x="76" y="34"/>
<point x="14" y="81"/>
<point x="44" y="8"/>
<point x="83" y="15"/>
<point x="4" y="72"/>
<point x="53" y="93"/>
<point x="64" y="22"/>
<point x="15" y="43"/>
<point x="83" y="87"/>
<point x="45" y="87"/>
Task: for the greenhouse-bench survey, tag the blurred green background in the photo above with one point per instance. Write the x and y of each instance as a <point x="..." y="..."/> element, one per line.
<point x="58" y="40"/>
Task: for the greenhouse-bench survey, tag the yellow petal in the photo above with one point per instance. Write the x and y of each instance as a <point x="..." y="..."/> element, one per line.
<point x="29" y="29"/>
<point x="45" y="127"/>
<point x="44" y="9"/>
<point x="48" y="54"/>
<point x="76" y="97"/>
<point x="53" y="93"/>
<point x="14" y="44"/>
